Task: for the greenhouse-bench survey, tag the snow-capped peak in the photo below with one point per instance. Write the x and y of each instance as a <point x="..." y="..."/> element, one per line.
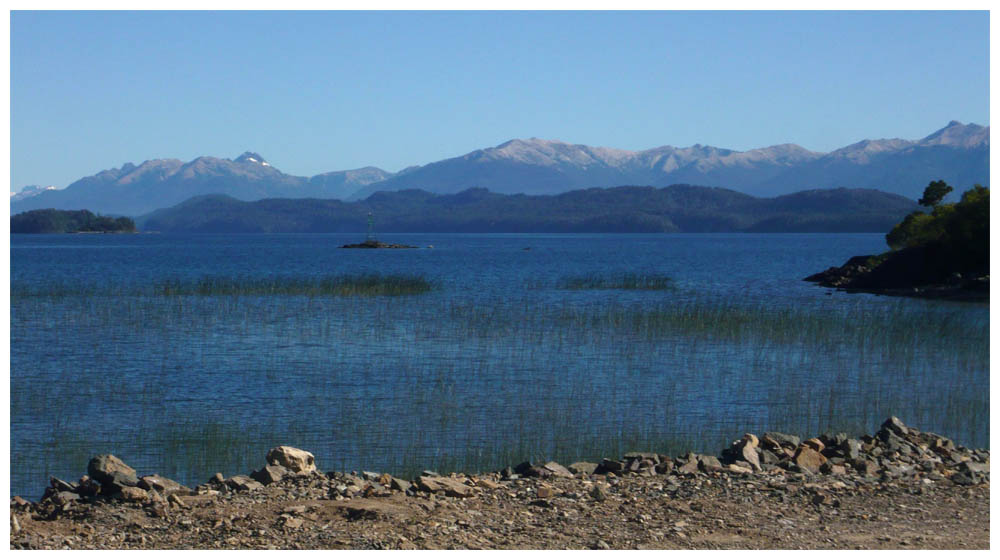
<point x="30" y="191"/>
<point x="252" y="157"/>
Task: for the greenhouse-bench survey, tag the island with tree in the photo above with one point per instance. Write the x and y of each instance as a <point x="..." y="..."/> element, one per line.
<point x="69" y="221"/>
<point x="941" y="254"/>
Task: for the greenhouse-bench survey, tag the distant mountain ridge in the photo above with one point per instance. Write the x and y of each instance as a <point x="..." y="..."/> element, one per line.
<point x="677" y="208"/>
<point x="138" y="189"/>
<point x="957" y="153"/>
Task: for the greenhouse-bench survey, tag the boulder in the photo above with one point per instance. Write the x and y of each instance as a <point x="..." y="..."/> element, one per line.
<point x="451" y="487"/>
<point x="638" y="455"/>
<point x="808" y="459"/>
<point x="103" y="469"/>
<point x="815" y="444"/>
<point x="243" y="483"/>
<point x="664" y="466"/>
<point x="399" y="484"/>
<point x="689" y="466"/>
<point x="749" y="454"/>
<point x="894" y="424"/>
<point x="522" y="468"/>
<point x="62" y="485"/>
<point x="269" y="474"/>
<point x="538" y="471"/>
<point x="64" y="498"/>
<point x="487" y="484"/>
<point x="134" y="494"/>
<point x="293" y="459"/>
<point x="557" y="469"/>
<point x="850" y="449"/>
<point x="709" y="464"/>
<point x="118" y="482"/>
<point x="609" y="465"/>
<point x="583" y="467"/>
<point x="737" y="469"/>
<point x="783" y="440"/>
<point x="766" y="457"/>
<point x="163" y="485"/>
<point x="87" y="487"/>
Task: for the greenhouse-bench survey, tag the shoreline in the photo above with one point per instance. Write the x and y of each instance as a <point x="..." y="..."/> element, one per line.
<point x="891" y="276"/>
<point x="834" y="491"/>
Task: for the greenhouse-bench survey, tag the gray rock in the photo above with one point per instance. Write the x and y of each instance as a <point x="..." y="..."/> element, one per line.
<point x="62" y="485"/>
<point x="103" y="469"/>
<point x="557" y="469"/>
<point x="642" y="455"/>
<point x="64" y="498"/>
<point x="965" y="479"/>
<point x="850" y="449"/>
<point x="974" y="467"/>
<point x="87" y="487"/>
<point x="538" y="472"/>
<point x="243" y="483"/>
<point x="664" y="466"/>
<point x="609" y="465"/>
<point x="451" y="487"/>
<point x="894" y="424"/>
<point x="689" y="466"/>
<point x="582" y="467"/>
<point x="269" y="474"/>
<point x="163" y="485"/>
<point x="399" y="484"/>
<point x="709" y="464"/>
<point x="118" y="482"/>
<point x="766" y="457"/>
<point x="785" y="440"/>
<point x="519" y="469"/>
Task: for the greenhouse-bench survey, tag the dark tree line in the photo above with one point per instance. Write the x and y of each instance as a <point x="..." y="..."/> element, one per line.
<point x="956" y="235"/>
<point x="68" y="221"/>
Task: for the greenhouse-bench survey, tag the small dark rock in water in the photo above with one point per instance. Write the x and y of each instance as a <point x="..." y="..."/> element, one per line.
<point x="373" y="244"/>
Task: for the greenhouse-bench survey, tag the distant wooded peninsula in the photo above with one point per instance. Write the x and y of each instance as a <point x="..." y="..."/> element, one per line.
<point x="628" y="209"/>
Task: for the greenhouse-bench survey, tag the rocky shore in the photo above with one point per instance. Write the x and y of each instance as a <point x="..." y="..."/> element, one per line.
<point x="898" y="488"/>
<point x="903" y="273"/>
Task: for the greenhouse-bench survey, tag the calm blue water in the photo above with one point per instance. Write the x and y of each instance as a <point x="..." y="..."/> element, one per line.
<point x="495" y="363"/>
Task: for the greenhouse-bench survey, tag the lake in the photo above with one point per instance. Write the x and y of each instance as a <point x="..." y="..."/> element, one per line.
<point x="526" y="347"/>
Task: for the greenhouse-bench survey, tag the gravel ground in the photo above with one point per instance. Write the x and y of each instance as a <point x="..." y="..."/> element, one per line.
<point x="907" y="500"/>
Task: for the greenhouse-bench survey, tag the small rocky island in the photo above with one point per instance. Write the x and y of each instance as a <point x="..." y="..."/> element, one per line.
<point x="898" y="488"/>
<point x="941" y="255"/>
<point x="375" y="244"/>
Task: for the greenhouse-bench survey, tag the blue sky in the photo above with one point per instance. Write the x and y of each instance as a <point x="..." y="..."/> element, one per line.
<point x="324" y="91"/>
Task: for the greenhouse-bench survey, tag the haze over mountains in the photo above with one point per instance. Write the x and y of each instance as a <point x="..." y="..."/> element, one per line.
<point x="957" y="153"/>
<point x="677" y="208"/>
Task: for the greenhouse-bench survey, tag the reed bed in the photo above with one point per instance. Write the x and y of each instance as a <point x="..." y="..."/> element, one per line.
<point x="465" y="382"/>
<point x="623" y="281"/>
<point x="323" y="286"/>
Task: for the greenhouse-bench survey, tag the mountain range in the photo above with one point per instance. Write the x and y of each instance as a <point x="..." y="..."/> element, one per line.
<point x="957" y="153"/>
<point x="677" y="208"/>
